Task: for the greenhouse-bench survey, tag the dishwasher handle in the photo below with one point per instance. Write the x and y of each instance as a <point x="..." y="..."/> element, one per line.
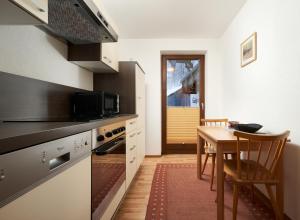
<point x="59" y="161"/>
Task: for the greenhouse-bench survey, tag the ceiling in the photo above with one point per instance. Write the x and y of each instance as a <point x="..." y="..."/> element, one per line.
<point x="172" y="18"/>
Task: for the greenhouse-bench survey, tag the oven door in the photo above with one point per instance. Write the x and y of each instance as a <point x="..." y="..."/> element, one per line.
<point x="108" y="174"/>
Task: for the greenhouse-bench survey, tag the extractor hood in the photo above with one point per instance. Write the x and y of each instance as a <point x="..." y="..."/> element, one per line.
<point x="78" y="22"/>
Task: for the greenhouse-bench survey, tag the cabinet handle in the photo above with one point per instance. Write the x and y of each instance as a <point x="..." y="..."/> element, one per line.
<point x="132" y="160"/>
<point x="106" y="58"/>
<point x="132" y="135"/>
<point x="2" y="175"/>
<point x="134" y="146"/>
<point x="60" y="148"/>
<point x="37" y="6"/>
<point x="132" y="122"/>
<point x="139" y="133"/>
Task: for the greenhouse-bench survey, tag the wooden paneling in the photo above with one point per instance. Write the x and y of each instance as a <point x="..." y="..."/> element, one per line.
<point x="122" y="83"/>
<point x="182" y="125"/>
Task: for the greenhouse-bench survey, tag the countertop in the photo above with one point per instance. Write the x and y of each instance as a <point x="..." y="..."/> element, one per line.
<point x="18" y="135"/>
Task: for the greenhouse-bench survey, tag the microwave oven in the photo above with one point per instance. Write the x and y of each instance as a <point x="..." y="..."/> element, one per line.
<point x="95" y="105"/>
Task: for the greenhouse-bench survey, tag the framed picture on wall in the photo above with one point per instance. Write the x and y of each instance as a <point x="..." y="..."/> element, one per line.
<point x="248" y="50"/>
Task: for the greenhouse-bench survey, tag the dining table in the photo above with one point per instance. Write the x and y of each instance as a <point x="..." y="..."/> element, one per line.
<point x="224" y="141"/>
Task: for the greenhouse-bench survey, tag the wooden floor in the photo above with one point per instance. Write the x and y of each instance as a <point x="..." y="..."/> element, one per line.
<point x="134" y="206"/>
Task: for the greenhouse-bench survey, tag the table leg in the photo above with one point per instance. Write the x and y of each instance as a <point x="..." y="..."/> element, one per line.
<point x="220" y="183"/>
<point x="280" y="188"/>
<point x="199" y="158"/>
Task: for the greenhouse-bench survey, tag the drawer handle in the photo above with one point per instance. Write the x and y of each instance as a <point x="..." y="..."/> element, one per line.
<point x="139" y="133"/>
<point x="132" y="122"/>
<point x="132" y="160"/>
<point x="106" y="58"/>
<point x="134" y="146"/>
<point x="2" y="175"/>
<point x="132" y="135"/>
<point x="60" y="148"/>
<point x="37" y="6"/>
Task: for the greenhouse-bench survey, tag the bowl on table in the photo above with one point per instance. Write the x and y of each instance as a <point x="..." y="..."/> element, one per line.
<point x="249" y="128"/>
<point x="232" y="124"/>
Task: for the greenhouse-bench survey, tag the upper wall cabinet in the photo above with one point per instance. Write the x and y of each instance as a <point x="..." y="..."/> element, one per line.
<point x="98" y="58"/>
<point x="109" y="55"/>
<point x="23" y="12"/>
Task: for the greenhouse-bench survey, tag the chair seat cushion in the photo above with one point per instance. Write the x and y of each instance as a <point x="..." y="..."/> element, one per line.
<point x="251" y="172"/>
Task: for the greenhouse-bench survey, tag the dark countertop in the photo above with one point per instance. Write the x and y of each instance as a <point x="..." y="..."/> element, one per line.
<point x="18" y="135"/>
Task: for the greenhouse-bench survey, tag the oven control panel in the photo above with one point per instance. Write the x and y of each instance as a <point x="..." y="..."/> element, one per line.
<point x="107" y="133"/>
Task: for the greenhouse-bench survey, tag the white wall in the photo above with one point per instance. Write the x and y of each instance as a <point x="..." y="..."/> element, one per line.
<point x="267" y="91"/>
<point x="27" y="51"/>
<point x="148" y="53"/>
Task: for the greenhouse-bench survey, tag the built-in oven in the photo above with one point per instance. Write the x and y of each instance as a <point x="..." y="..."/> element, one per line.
<point x="108" y="166"/>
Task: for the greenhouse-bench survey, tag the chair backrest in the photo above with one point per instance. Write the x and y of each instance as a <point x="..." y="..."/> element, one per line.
<point x="264" y="152"/>
<point x="215" y="122"/>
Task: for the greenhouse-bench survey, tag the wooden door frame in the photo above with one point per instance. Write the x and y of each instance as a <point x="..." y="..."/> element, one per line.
<point x="177" y="148"/>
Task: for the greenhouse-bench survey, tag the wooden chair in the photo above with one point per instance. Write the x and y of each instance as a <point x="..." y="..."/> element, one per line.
<point x="258" y="165"/>
<point x="210" y="151"/>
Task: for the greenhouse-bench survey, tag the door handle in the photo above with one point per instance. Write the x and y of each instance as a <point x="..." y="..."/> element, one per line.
<point x="202" y="106"/>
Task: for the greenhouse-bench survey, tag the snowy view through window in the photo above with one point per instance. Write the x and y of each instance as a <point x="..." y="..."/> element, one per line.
<point x="183" y="83"/>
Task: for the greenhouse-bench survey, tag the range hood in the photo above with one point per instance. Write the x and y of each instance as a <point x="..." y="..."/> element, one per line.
<point x="78" y="22"/>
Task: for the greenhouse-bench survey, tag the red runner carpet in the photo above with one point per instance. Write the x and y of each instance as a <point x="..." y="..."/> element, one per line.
<point x="177" y="194"/>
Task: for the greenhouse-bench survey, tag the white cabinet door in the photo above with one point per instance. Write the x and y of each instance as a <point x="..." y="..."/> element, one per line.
<point x="38" y="8"/>
<point x="140" y="146"/>
<point x="109" y="55"/>
<point x="140" y="97"/>
<point x="140" y="110"/>
<point x="131" y="156"/>
<point x="66" y="196"/>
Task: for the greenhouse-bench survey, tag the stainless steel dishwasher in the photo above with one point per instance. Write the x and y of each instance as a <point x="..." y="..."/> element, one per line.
<point x="47" y="181"/>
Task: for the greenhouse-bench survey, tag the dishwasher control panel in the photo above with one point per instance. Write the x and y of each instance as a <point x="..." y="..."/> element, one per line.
<point x="22" y="170"/>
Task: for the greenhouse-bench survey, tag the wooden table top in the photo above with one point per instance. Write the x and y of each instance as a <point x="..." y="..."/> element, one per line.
<point x="218" y="134"/>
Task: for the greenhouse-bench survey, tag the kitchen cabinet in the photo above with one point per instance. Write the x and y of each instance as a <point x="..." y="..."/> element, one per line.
<point x="98" y="57"/>
<point x="131" y="151"/>
<point x="135" y="149"/>
<point x="129" y="83"/>
<point x="140" y="97"/>
<point x="140" y="146"/>
<point x="21" y="12"/>
<point x="109" y="55"/>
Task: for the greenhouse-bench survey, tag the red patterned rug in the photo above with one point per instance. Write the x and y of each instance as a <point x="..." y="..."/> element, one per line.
<point x="177" y="194"/>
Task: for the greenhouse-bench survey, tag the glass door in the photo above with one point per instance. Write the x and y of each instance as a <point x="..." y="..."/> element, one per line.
<point x="182" y="89"/>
